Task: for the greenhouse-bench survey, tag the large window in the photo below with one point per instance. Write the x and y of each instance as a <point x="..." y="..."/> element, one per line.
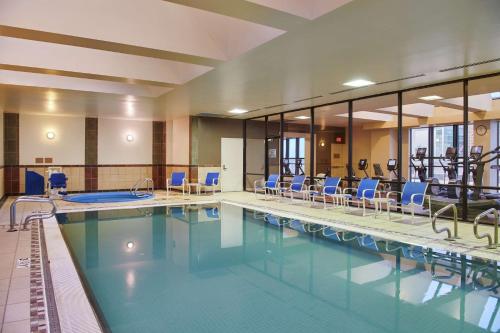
<point x="428" y="143"/>
<point x="294" y="155"/>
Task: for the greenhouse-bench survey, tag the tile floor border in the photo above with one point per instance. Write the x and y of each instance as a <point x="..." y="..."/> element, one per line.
<point x="52" y="314"/>
<point x="38" y="317"/>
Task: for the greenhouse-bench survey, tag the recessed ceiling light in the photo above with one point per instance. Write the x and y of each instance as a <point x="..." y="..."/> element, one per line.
<point x="51" y="135"/>
<point x="302" y="117"/>
<point x="358" y="83"/>
<point x="130" y="137"/>
<point x="238" y="111"/>
<point x="431" y="98"/>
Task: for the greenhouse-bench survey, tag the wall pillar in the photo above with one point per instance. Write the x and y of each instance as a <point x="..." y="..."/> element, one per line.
<point x="91" y="154"/>
<point x="11" y="153"/>
<point x="159" y="153"/>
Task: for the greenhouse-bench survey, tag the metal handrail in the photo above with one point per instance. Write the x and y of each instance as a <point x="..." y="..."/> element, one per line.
<point x="492" y="243"/>
<point x="150" y="187"/>
<point x="30" y="217"/>
<point x="455" y="222"/>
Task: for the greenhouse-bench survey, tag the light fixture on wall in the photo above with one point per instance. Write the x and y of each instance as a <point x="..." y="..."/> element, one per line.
<point x="322" y="142"/>
<point x="130" y="245"/>
<point x="130" y="137"/>
<point x="51" y="135"/>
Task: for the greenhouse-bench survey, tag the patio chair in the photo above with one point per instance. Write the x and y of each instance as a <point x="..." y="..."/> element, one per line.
<point x="269" y="186"/>
<point x="413" y="196"/>
<point x="295" y="186"/>
<point x="366" y="191"/>
<point x="329" y="189"/>
<point x="211" y="182"/>
<point x="177" y="181"/>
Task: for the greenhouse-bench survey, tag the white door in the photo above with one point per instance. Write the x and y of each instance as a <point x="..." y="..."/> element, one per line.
<point x="231" y="156"/>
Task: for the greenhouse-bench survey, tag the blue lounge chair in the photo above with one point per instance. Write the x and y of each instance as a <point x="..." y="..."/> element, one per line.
<point x="177" y="181"/>
<point x="295" y="186"/>
<point x="58" y="183"/>
<point x="413" y="196"/>
<point x="366" y="191"/>
<point x="329" y="189"/>
<point x="211" y="182"/>
<point x="270" y="186"/>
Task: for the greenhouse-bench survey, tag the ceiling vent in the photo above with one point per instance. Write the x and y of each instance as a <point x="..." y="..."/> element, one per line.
<point x="307" y="99"/>
<point x="274" y="106"/>
<point x="211" y="115"/>
<point x="469" y="65"/>
<point x="342" y="91"/>
<point x="401" y="79"/>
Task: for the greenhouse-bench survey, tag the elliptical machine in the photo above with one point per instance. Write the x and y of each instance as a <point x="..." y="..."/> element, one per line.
<point x="417" y="162"/>
<point x="449" y="164"/>
<point x="477" y="161"/>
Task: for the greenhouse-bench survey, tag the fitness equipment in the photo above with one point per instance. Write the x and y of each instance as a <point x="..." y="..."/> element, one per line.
<point x="477" y="161"/>
<point x="363" y="165"/>
<point x="392" y="167"/>
<point x="377" y="169"/>
<point x="417" y="162"/>
<point x="449" y="164"/>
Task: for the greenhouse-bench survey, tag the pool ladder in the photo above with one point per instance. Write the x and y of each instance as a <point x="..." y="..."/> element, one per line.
<point x="143" y="183"/>
<point x="492" y="241"/>
<point x="455" y="222"/>
<point x="36" y="215"/>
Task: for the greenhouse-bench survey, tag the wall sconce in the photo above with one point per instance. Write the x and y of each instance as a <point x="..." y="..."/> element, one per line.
<point x="322" y="143"/>
<point x="130" y="137"/>
<point x="51" y="135"/>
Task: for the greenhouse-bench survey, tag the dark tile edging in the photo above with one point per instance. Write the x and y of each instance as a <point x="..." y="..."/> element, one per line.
<point x="38" y="320"/>
<point x="42" y="298"/>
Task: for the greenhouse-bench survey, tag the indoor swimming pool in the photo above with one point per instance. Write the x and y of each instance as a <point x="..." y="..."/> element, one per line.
<point x="223" y="268"/>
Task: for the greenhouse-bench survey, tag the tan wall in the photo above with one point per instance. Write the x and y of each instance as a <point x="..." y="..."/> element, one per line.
<point x="68" y="146"/>
<point x="112" y="178"/>
<point x="113" y="147"/>
<point x="178" y="138"/>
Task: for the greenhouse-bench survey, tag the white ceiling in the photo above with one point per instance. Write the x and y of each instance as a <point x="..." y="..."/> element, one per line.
<point x="183" y="57"/>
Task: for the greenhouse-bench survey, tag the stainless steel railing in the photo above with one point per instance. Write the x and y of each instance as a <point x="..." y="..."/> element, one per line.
<point x="32" y="216"/>
<point x="455" y="222"/>
<point x="492" y="242"/>
<point x="149" y="185"/>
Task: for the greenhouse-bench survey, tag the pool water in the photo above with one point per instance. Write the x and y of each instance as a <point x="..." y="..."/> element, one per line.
<point x="103" y="197"/>
<point x="228" y="269"/>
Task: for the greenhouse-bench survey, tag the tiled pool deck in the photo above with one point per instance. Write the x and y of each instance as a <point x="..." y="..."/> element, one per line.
<point x="23" y="303"/>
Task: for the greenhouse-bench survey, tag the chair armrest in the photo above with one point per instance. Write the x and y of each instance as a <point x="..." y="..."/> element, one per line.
<point x="375" y="192"/>
<point x="413" y="196"/>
